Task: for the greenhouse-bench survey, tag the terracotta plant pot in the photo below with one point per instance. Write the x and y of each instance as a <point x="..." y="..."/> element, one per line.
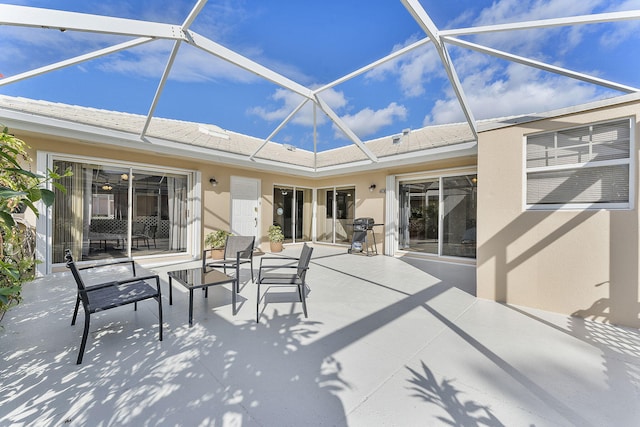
<point x="276" y="246"/>
<point x="217" y="253"/>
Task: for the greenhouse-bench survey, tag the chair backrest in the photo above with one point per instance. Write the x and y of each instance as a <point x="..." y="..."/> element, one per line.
<point x="305" y="258"/>
<point x="242" y="244"/>
<point x="71" y="265"/>
<point x="138" y="228"/>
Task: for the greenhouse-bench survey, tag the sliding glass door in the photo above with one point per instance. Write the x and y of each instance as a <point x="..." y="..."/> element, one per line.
<point x="438" y="215"/>
<point x="420" y="203"/>
<point x="117" y="212"/>
<point x="336" y="212"/>
<point x="293" y="212"/>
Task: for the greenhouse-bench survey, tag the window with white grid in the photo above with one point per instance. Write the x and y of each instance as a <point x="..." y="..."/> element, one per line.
<point x="588" y="166"/>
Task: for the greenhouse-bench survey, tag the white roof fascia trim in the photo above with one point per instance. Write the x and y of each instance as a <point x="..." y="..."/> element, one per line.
<point x="346" y="129"/>
<point x="541" y="65"/>
<point x="63" y="128"/>
<point x="422" y="18"/>
<point x="415" y="157"/>
<point x="75" y="60"/>
<point x="73" y="21"/>
<point x="229" y="55"/>
<point x="202" y="153"/>
<point x="88" y="133"/>
<point x="546" y="23"/>
<point x="279" y="128"/>
<point x="163" y="81"/>
<point x="371" y="66"/>
<point x="93" y="134"/>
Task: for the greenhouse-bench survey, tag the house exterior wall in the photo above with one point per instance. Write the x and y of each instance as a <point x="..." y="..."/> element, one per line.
<point x="579" y="262"/>
<point x="216" y="201"/>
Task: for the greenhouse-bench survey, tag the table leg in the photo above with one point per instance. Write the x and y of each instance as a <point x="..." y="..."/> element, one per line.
<point x="170" y="292"/>
<point x="190" y="307"/>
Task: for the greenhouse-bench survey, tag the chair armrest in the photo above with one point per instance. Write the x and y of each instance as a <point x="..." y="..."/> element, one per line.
<point x="142" y="278"/>
<point x="122" y="282"/>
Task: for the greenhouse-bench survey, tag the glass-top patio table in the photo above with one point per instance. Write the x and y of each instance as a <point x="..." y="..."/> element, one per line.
<point x="194" y="278"/>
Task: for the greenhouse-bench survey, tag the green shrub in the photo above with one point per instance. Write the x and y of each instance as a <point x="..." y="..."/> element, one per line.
<point x="20" y="189"/>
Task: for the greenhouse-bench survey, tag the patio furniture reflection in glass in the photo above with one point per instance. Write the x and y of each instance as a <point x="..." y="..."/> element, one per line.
<point x="200" y="278"/>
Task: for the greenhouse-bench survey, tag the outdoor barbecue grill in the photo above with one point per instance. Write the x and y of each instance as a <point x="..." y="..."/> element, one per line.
<point x="362" y="229"/>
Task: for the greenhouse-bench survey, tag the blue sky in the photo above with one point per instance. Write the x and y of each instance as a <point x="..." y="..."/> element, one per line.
<point x="314" y="43"/>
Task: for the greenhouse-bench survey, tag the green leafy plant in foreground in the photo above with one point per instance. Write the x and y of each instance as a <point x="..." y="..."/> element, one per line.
<point x="20" y="189"/>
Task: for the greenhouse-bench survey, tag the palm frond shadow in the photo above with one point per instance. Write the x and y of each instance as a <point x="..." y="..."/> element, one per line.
<point x="461" y="413"/>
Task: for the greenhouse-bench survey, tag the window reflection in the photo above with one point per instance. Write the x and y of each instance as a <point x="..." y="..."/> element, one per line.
<point x="114" y="212"/>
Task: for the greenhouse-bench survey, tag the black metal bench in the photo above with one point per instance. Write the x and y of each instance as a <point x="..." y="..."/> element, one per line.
<point x="108" y="295"/>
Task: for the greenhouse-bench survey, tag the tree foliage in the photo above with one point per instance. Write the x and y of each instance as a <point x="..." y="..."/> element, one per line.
<point x="20" y="189"/>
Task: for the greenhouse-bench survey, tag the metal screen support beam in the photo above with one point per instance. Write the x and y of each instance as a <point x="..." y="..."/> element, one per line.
<point x="165" y="75"/>
<point x="628" y="15"/>
<point x="371" y="66"/>
<point x="235" y="58"/>
<point x="279" y="128"/>
<point x="344" y="128"/>
<point x="75" y="60"/>
<point x="422" y="18"/>
<point x="540" y="65"/>
<point x="163" y="81"/>
<point x="23" y="16"/>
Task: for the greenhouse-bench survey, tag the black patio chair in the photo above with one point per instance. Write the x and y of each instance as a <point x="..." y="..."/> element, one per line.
<point x="237" y="250"/>
<point x="141" y="231"/>
<point x="112" y="294"/>
<point x="273" y="274"/>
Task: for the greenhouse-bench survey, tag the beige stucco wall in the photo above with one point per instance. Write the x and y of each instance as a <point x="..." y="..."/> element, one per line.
<point x="581" y="262"/>
<point x="216" y="203"/>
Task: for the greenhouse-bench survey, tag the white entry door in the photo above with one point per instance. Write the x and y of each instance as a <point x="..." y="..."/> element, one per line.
<point x="245" y="203"/>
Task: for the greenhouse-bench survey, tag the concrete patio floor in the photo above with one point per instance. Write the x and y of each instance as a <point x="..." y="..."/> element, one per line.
<point x="388" y="342"/>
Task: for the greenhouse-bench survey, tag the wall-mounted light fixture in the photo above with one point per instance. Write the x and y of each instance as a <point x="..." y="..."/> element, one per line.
<point x="372" y="187"/>
<point x="213" y="181"/>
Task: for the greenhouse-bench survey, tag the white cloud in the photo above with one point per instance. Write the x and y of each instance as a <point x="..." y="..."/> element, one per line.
<point x="287" y="101"/>
<point x="367" y="121"/>
<point x="494" y="90"/>
<point x="622" y="30"/>
<point x="191" y="64"/>
<point x="413" y="70"/>
<point x="530" y="42"/>
<point x="364" y="122"/>
<point x="521" y="90"/>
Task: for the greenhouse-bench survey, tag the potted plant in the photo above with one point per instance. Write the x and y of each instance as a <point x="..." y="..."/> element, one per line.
<point x="276" y="238"/>
<point x="216" y="241"/>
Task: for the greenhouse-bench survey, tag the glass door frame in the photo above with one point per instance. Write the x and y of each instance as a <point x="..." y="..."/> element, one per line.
<point x="44" y="223"/>
<point x="334" y="211"/>
<point x="294" y="211"/>
<point x="439" y="175"/>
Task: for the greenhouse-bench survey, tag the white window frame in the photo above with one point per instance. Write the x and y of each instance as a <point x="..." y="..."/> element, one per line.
<point x="630" y="161"/>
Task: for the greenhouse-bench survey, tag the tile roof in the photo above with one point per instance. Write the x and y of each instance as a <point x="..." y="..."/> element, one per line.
<point x="208" y="138"/>
<point x="227" y="141"/>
